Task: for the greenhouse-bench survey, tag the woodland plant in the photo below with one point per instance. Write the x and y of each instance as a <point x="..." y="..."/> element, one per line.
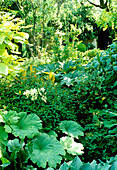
<point x="21" y="139"/>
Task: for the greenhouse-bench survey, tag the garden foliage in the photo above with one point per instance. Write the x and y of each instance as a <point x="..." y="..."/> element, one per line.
<point x="61" y="102"/>
<point x="81" y="90"/>
<point x="10" y="36"/>
<point x="21" y="135"/>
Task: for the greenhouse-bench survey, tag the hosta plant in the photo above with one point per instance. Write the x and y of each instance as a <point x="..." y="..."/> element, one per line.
<point x="77" y="164"/>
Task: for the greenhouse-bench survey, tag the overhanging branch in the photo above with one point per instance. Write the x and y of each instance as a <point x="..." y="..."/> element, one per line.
<point x="99" y="6"/>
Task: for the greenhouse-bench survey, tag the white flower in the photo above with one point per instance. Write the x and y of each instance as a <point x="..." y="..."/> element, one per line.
<point x="33" y="91"/>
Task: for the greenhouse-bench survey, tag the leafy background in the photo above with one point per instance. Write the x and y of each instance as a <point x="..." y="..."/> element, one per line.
<point x="58" y="90"/>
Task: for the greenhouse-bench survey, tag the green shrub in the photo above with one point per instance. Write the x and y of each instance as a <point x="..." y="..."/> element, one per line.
<point x="10" y="35"/>
<point x="81" y="47"/>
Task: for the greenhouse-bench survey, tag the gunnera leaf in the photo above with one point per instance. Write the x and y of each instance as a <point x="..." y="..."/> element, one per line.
<point x="46" y="149"/>
<point x="27" y="125"/>
<point x="71" y="128"/>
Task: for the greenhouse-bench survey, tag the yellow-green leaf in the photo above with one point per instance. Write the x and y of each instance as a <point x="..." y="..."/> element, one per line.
<point x="25" y="35"/>
<point x="3" y="68"/>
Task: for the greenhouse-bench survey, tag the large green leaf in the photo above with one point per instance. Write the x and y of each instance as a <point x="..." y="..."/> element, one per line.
<point x="21" y="124"/>
<point x="71" y="128"/>
<point x="27" y="125"/>
<point x="46" y="149"/>
<point x="71" y="146"/>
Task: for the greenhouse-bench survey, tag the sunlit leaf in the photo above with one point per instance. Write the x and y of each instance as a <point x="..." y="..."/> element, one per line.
<point x="71" y="146"/>
<point x="3" y="68"/>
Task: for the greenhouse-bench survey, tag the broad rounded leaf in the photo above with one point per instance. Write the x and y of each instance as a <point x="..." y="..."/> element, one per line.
<point x="27" y="125"/>
<point x="71" y="128"/>
<point x="71" y="146"/>
<point x="46" y="149"/>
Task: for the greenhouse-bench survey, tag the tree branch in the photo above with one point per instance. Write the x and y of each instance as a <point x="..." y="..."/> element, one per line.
<point x="99" y="6"/>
